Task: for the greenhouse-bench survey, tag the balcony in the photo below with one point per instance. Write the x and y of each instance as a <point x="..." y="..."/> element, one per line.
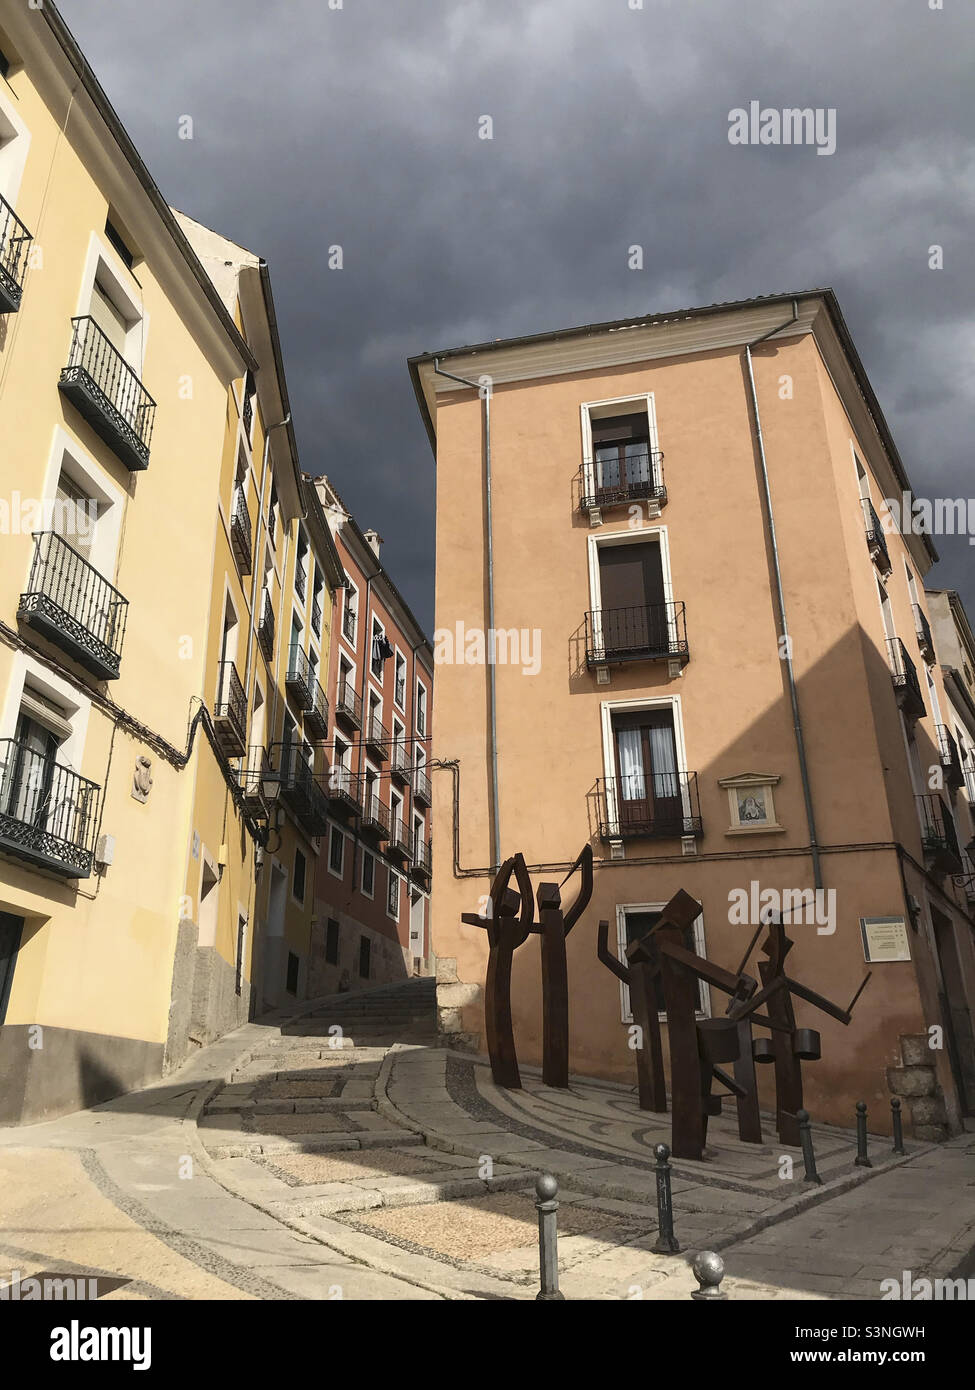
<point x="654" y="632"/>
<point x="966" y="879"/>
<point x="942" y="852"/>
<point x="660" y="806"/>
<point x="15" y="242"/>
<point x="348" y="624"/>
<point x="299" y="789"/>
<point x="376" y="737"/>
<point x="254" y="778"/>
<point x="950" y="758"/>
<point x="421" y="787"/>
<point x="230" y="711"/>
<point x="616" y="484"/>
<point x="272" y="526"/>
<point x="299" y="679"/>
<point x="247" y="413"/>
<point x="316" y="712"/>
<point x="301" y="579"/>
<point x="265" y="628"/>
<point x="399" y="839"/>
<point x="422" y="867"/>
<point x="375" y="814"/>
<point x="348" y="705"/>
<point x="925" y="641"/>
<point x="399" y="762"/>
<point x="68" y="602"/>
<point x="102" y="386"/>
<point x="907" y="687"/>
<point x="48" y="814"/>
<point x="876" y="540"/>
<point x="240" y="531"/>
<point x="344" y="792"/>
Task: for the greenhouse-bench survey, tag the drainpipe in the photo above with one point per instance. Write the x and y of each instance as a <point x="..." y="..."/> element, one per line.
<point x="492" y="681"/>
<point x="780" y="595"/>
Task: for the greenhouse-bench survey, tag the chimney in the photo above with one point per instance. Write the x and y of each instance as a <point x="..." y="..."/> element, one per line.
<point x="375" y="541"/>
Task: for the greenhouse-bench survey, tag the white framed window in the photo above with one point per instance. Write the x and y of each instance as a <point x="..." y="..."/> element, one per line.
<point x="350" y="614"/>
<point x="14" y="144"/>
<point x="336" y="852"/>
<point x="621" y="453"/>
<point x="633" y="920"/>
<point x="392" y="895"/>
<point x="399" y="681"/>
<point x="420" y="713"/>
<point x="82" y="504"/>
<point x="112" y="297"/>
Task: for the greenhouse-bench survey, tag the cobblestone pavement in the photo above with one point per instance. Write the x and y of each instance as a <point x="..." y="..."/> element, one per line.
<point x="340" y="1154"/>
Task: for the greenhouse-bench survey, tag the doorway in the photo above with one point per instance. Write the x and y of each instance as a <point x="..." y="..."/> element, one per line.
<point x="649" y="795"/>
<point x="633" y="614"/>
<point x="959" y="1033"/>
<point x="10" y="933"/>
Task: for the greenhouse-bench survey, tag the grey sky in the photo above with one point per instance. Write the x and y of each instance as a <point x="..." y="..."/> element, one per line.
<point x="358" y="126"/>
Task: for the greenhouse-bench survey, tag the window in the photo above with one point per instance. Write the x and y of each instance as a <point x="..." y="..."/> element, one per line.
<point x="421" y="710"/>
<point x="364" y="957"/>
<point x="634" y="923"/>
<point x="298" y="883"/>
<point x="115" y="239"/>
<point x="336" y="852"/>
<point x="647" y="780"/>
<point x="399" y="693"/>
<point x="10" y="930"/>
<point x="392" y="896"/>
<point x="368" y="874"/>
<point x="331" y="942"/>
<point x="381" y="650"/>
<point x="316" y="602"/>
<point x="292" y="982"/>
<point x="350" y="616"/>
<point x="301" y="566"/>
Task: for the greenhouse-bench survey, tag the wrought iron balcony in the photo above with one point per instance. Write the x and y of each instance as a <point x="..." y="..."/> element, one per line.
<point x="240" y="531"/>
<point x="247" y="413"/>
<point x="301" y="579"/>
<point x="377" y="737"/>
<point x="654" y="806"/>
<point x="299" y="788"/>
<point x="950" y="757"/>
<point x="613" y="484"/>
<point x="316" y="712"/>
<point x="70" y="604"/>
<point x="399" y="762"/>
<point x="348" y="624"/>
<point x="876" y="540"/>
<point x="925" y="641"/>
<point x="15" y="242"/>
<point x="938" y="835"/>
<point x="375" y="813"/>
<point x="265" y="628"/>
<point x="907" y="687"/>
<point x="399" y="838"/>
<point x="272" y="525"/>
<point x="254" y="780"/>
<point x="316" y="616"/>
<point x="966" y="879"/>
<point x="421" y="787"/>
<point x="348" y="704"/>
<point x="343" y="790"/>
<point x="422" y="867"/>
<point x="102" y="386"/>
<point x="654" y="632"/>
<point x="299" y="678"/>
<point x="48" y="814"/>
<point x="230" y="711"/>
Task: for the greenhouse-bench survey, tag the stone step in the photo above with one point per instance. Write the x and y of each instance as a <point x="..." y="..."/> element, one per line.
<point x="244" y="1143"/>
<point x="396" y="1192"/>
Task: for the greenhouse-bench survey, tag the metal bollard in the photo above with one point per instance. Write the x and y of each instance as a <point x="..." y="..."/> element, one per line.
<point x="666" y="1240"/>
<point x="546" y="1190"/>
<point x="895" y="1110"/>
<point x="708" y="1270"/>
<point x="808" y="1153"/>
<point x="862" y="1161"/>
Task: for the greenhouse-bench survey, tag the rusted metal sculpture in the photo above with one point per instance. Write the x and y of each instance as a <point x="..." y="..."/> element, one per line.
<point x="553" y="928"/>
<point x="508" y="925"/>
<point x="640" y="978"/>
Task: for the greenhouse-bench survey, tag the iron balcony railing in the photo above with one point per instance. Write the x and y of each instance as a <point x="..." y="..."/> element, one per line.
<point x="950" y="757"/>
<point x="421" y="786"/>
<point x="272" y="525"/>
<point x="876" y="540"/>
<point x="255" y="774"/>
<point x="375" y="813"/>
<point x="316" y="712"/>
<point x="348" y="704"/>
<point x="230" y="711"/>
<point x="299" y="677"/>
<point x="301" y="579"/>
<point x="610" y="483"/>
<point x="399" y="761"/>
<point x="240" y="531"/>
<point x="15" y="242"/>
<point x="925" y="641"/>
<point x="247" y="414"/>
<point x="422" y="856"/>
<point x="348" y="624"/>
<point x="906" y="684"/>
<point x="377" y="737"/>
<point x="73" y="606"/>
<point x="658" y="806"/>
<point x="938" y="834"/>
<point x="399" y="837"/>
<point x="265" y="629"/>
<point x="966" y="879"/>
<point x="300" y="790"/>
<point x="648" y="632"/>
<point x="316" y="616"/>
<point x="103" y="387"/>
<point x="343" y="789"/>
<point x="48" y="813"/>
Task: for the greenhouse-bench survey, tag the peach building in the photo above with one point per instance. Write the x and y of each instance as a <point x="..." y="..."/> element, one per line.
<point x="675" y="621"/>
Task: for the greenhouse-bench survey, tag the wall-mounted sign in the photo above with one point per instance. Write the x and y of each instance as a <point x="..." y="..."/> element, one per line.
<point x="884" y="939"/>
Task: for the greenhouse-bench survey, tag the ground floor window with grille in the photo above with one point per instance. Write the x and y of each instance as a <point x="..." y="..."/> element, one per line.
<point x="332" y="942"/>
<point x="392" y="895"/>
<point x="634" y="923"/>
<point x="364" y="957"/>
<point x="368" y="874"/>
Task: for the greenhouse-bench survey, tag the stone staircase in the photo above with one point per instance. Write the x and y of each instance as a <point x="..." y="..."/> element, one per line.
<point x="404" y="1012"/>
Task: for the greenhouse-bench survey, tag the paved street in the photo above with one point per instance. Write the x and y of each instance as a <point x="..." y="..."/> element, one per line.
<point x="339" y="1154"/>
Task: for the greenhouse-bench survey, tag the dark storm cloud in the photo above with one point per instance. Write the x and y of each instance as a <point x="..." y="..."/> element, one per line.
<point x="358" y="126"/>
